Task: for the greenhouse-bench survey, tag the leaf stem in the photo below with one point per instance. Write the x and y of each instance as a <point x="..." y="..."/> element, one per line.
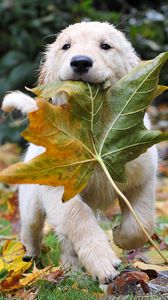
<point x="129" y="206"/>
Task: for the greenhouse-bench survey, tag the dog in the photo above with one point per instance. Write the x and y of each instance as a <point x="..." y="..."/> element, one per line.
<point x="92" y="52"/>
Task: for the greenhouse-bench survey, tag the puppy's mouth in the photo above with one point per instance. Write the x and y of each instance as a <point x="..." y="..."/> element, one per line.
<point x="62" y="97"/>
<point x="105" y="82"/>
<point x="82" y="79"/>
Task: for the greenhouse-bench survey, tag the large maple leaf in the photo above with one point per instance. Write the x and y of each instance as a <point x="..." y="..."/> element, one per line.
<point x="96" y="126"/>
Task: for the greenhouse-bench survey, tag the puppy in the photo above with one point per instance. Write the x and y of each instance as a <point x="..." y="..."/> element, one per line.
<point x="92" y="52"/>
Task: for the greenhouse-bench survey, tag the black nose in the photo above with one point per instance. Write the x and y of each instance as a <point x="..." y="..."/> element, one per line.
<point x="81" y="64"/>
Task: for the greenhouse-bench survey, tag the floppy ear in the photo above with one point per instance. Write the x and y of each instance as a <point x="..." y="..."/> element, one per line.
<point x="43" y="68"/>
<point x="132" y="59"/>
<point x="42" y="74"/>
<point x="128" y="54"/>
<point x="46" y="73"/>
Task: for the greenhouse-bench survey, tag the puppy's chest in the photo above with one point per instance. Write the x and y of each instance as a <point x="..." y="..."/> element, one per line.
<point x="98" y="193"/>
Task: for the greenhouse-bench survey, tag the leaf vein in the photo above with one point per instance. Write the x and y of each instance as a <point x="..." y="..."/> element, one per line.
<point x="128" y="101"/>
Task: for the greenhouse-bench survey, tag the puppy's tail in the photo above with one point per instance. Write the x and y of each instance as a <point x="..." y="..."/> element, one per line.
<point x="20" y="101"/>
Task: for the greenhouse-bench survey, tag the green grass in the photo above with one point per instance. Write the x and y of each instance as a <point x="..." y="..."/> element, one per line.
<point x="5" y="227"/>
<point x="64" y="295"/>
<point x="78" y="286"/>
<point x="50" y="253"/>
<point x="75" y="286"/>
<point x="162" y="227"/>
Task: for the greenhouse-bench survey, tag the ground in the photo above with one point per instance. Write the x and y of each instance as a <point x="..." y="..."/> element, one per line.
<point x="56" y="283"/>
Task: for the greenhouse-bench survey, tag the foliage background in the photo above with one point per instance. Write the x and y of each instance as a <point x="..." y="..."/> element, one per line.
<point x="26" y="26"/>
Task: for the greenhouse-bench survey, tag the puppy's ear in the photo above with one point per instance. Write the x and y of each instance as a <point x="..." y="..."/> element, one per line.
<point x="42" y="74"/>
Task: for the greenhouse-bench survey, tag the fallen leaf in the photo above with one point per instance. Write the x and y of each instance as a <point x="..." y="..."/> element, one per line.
<point x="54" y="276"/>
<point x="126" y="283"/>
<point x="159" y="285"/>
<point x="50" y="273"/>
<point x="30" y="294"/>
<point x="17" y="279"/>
<point x="11" y="257"/>
<point x="5" y="195"/>
<point x="12" y="211"/>
<point x="153" y="257"/>
<point x="162" y="207"/>
<point x="11" y="282"/>
<point x="143" y="266"/>
<point x="29" y="278"/>
<point x="149" y="256"/>
<point x="93" y="127"/>
<point x="9" y="153"/>
<point x="11" y="261"/>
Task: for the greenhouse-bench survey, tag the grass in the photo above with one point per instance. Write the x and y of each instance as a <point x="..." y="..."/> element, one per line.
<point x="79" y="286"/>
<point x="162" y="227"/>
<point x="76" y="286"/>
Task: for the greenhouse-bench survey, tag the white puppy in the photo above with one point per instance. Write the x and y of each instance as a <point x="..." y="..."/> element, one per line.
<point x="91" y="52"/>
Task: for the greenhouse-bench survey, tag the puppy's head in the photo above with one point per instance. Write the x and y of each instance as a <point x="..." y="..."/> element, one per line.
<point x="89" y="51"/>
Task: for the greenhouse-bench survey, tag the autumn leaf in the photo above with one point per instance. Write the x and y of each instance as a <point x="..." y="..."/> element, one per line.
<point x="50" y="273"/>
<point x="67" y="161"/>
<point x="143" y="266"/>
<point x="152" y="257"/>
<point x="126" y="282"/>
<point x="12" y="269"/>
<point x="96" y="126"/>
<point x="11" y="257"/>
<point x="30" y="294"/>
<point x="11" y="262"/>
<point x="9" y="153"/>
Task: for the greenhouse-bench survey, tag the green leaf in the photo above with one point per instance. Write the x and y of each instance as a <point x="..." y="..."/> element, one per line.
<point x="115" y="117"/>
<point x="96" y="125"/>
<point x="126" y="137"/>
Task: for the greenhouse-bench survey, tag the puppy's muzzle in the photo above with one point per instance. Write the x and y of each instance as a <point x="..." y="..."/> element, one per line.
<point x="81" y="64"/>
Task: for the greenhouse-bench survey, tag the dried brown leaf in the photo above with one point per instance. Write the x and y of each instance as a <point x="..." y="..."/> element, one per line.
<point x="127" y="281"/>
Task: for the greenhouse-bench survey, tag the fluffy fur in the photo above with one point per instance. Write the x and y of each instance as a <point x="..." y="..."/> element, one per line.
<point x="83" y="241"/>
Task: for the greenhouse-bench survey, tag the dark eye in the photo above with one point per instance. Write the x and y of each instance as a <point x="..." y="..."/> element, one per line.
<point x="105" y="46"/>
<point x="66" y="46"/>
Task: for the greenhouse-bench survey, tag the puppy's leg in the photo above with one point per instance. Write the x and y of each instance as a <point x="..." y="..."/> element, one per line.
<point x="75" y="220"/>
<point x="69" y="258"/>
<point x="129" y="235"/>
<point x="20" y="101"/>
<point x="32" y="219"/>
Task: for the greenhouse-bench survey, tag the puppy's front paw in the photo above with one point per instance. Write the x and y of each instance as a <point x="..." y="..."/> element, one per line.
<point x="105" y="270"/>
<point x="101" y="263"/>
<point x="70" y="261"/>
<point x="28" y="258"/>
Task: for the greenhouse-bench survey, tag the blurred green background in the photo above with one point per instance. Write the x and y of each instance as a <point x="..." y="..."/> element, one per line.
<point x="26" y="26"/>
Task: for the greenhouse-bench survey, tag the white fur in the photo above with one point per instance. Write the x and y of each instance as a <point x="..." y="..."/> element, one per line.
<point x="82" y="239"/>
<point x="20" y="101"/>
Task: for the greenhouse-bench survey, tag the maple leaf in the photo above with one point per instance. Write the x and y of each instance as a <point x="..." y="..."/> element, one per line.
<point x="12" y="264"/>
<point x="50" y="274"/>
<point x="96" y="126"/>
<point x="12" y="269"/>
